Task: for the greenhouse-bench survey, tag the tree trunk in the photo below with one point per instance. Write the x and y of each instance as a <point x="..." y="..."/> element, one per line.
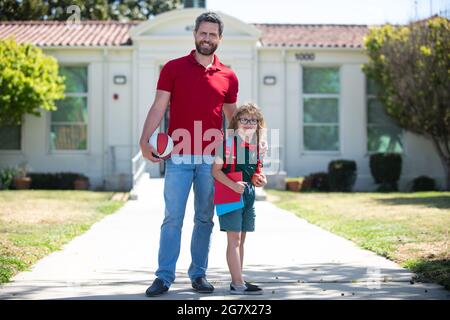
<point x="446" y="165"/>
<point x="445" y="159"/>
<point x="448" y="174"/>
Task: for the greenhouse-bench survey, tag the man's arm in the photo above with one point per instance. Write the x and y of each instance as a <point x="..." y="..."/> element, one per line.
<point x="229" y="109"/>
<point x="154" y="117"/>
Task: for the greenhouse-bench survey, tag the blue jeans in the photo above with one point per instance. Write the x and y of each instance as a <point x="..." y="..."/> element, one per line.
<point x="178" y="181"/>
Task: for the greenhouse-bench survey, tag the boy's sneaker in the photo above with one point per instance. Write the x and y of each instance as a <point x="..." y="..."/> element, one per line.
<point x="248" y="284"/>
<point x="245" y="289"/>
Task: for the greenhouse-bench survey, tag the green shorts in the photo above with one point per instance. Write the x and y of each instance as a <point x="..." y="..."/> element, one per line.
<point x="242" y="219"/>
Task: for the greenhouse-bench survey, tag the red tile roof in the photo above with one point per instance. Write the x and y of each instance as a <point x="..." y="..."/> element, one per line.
<point x="312" y="35"/>
<point x="58" y="33"/>
<point x="114" y="33"/>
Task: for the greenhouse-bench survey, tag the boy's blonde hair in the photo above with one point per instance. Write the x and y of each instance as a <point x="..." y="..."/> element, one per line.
<point x="247" y="109"/>
<point x="250" y="109"/>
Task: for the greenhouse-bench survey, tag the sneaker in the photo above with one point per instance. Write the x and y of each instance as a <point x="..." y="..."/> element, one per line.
<point x="245" y="289"/>
<point x="248" y="284"/>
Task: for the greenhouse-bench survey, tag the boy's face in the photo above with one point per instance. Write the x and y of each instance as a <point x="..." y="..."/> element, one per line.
<point x="247" y="124"/>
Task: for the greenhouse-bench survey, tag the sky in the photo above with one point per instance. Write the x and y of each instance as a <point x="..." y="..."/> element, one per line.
<point x="328" y="11"/>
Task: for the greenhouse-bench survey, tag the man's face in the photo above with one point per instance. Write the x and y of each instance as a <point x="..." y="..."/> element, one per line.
<point x="207" y="38"/>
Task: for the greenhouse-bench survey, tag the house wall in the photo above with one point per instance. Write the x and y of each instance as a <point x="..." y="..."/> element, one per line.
<point x="173" y="38"/>
<point x="109" y="124"/>
<point x="282" y="105"/>
<point x="115" y="125"/>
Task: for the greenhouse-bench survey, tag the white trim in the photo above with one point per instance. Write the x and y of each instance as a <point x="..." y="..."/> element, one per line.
<point x="321" y="95"/>
<point x="138" y="30"/>
<point x="188" y="38"/>
<point x="124" y="47"/>
<point x="285" y="136"/>
<point x="234" y="38"/>
<point x="76" y="94"/>
<point x="320" y="153"/>
<point x="134" y="127"/>
<point x="310" y="48"/>
<point x="105" y="148"/>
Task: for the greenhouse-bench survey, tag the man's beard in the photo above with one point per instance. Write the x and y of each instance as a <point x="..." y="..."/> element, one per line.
<point x="206" y="51"/>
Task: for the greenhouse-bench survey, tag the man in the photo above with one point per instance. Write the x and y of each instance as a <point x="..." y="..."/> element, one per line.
<point x="198" y="88"/>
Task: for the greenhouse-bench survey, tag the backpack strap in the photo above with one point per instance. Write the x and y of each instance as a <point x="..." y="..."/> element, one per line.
<point x="232" y="153"/>
<point x="233" y="164"/>
<point x="258" y="161"/>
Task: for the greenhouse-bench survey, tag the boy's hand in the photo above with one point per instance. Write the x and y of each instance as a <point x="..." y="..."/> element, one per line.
<point x="239" y="187"/>
<point x="259" y="180"/>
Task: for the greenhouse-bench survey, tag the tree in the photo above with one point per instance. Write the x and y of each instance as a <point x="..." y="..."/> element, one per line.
<point x="29" y="82"/>
<point x="22" y="10"/>
<point x="61" y="10"/>
<point x="140" y="10"/>
<point x="411" y="67"/>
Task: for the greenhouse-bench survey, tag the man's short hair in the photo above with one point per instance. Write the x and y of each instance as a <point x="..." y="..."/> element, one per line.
<point x="209" y="17"/>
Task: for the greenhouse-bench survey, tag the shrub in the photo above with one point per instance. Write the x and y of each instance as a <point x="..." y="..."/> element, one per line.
<point x="386" y="170"/>
<point x="424" y="183"/>
<point x="317" y="181"/>
<point x="6" y="177"/>
<point x="341" y="175"/>
<point x="54" y="181"/>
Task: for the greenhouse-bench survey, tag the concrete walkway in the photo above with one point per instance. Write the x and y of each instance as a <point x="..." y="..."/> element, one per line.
<point x="288" y="257"/>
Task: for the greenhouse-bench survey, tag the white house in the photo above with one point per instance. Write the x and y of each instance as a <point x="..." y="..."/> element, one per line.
<point x="306" y="78"/>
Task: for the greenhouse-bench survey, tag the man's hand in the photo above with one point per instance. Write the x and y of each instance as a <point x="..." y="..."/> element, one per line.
<point x="148" y="151"/>
<point x="152" y="122"/>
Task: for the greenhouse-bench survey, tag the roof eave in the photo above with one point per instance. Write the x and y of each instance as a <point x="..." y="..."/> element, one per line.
<point x="119" y="47"/>
<point x="311" y="48"/>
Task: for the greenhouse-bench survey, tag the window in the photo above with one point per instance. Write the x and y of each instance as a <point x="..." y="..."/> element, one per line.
<point x="383" y="135"/>
<point x="10" y="137"/>
<point x="68" y="130"/>
<point x="321" y="88"/>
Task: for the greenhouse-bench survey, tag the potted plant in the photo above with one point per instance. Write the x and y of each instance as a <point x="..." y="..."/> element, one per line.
<point x="81" y="183"/>
<point x="21" y="181"/>
<point x="293" y="184"/>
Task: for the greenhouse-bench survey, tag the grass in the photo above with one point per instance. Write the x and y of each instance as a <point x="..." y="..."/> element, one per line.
<point x="411" y="229"/>
<point x="34" y="223"/>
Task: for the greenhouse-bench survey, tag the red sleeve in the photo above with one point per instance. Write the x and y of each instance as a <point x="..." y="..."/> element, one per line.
<point x="165" y="81"/>
<point x="231" y="96"/>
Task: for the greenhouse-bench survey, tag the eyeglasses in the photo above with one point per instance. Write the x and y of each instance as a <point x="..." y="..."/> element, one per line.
<point x="247" y="121"/>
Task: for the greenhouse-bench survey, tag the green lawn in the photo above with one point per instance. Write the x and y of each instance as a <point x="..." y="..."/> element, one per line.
<point x="411" y="229"/>
<point x="34" y="223"/>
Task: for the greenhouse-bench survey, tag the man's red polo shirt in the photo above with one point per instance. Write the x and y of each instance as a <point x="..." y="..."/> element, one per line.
<point x="197" y="94"/>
